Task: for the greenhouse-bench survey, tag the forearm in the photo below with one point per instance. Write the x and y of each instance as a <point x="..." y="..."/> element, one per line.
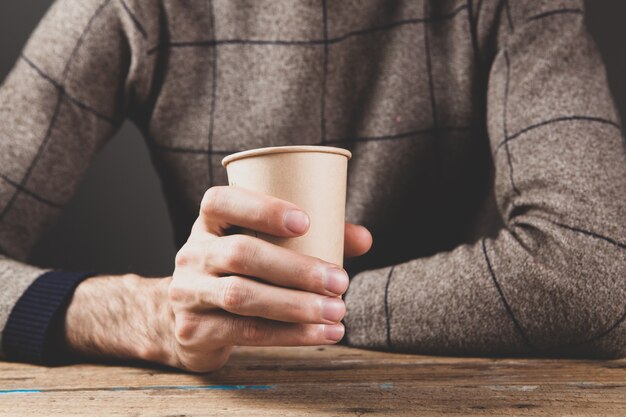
<point x="543" y="290"/>
<point x="444" y="304"/>
<point x="552" y="280"/>
<point x="123" y="317"/>
<point x="52" y="123"/>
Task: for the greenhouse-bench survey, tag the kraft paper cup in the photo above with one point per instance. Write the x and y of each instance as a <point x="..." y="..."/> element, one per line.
<point x="312" y="177"/>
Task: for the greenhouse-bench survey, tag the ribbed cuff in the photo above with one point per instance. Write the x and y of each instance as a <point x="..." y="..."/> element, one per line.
<point x="33" y="332"/>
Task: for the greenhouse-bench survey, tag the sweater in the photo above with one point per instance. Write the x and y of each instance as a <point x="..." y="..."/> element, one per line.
<point x="488" y="159"/>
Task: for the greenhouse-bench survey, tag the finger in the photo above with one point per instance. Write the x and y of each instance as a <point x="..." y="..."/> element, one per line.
<point x="223" y="207"/>
<point x="246" y="297"/>
<point x="247" y="255"/>
<point x="195" y="331"/>
<point x="357" y="240"/>
<point x="261" y="332"/>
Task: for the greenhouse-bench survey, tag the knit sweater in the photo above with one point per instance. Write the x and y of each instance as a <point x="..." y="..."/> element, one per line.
<point x="488" y="160"/>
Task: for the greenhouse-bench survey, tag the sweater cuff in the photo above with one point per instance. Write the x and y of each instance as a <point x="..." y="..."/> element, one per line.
<point x="33" y="332"/>
<point x="367" y="312"/>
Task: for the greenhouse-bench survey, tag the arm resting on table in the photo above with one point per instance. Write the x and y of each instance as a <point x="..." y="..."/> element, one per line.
<point x="552" y="281"/>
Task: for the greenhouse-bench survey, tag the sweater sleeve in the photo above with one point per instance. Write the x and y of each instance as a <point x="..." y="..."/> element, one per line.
<point x="66" y="95"/>
<point x="552" y="281"/>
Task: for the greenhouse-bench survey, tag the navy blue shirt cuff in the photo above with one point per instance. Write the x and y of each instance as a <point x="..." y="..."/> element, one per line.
<point x="34" y="330"/>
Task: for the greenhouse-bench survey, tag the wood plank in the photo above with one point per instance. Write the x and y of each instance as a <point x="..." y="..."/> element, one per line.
<point x="323" y="381"/>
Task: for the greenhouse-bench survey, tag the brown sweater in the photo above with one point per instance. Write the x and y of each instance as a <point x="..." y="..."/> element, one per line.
<point x="488" y="157"/>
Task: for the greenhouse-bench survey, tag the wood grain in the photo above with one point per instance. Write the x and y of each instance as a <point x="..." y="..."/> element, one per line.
<point x="331" y="381"/>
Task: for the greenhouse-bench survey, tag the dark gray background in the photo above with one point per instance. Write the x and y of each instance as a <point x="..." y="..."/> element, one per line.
<point x="117" y="222"/>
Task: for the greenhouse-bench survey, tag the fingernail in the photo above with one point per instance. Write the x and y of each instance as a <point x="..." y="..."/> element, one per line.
<point x="336" y="280"/>
<point x="297" y="221"/>
<point x="333" y="309"/>
<point x="334" y="332"/>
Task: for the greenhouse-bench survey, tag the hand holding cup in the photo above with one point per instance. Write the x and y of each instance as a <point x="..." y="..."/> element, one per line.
<point x="230" y="290"/>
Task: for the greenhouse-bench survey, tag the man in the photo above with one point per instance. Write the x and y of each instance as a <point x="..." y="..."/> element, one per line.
<point x="488" y="165"/>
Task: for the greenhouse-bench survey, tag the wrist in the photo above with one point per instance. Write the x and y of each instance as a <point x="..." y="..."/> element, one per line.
<point x="158" y="320"/>
<point x="125" y="317"/>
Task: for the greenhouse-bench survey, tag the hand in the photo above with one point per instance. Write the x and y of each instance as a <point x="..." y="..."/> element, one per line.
<point x="226" y="291"/>
<point x="232" y="290"/>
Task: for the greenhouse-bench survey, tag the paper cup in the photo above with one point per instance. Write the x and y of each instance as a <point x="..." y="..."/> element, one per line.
<point x="312" y="177"/>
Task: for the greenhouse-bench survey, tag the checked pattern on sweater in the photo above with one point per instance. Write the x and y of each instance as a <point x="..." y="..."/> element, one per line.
<point x="434" y="132"/>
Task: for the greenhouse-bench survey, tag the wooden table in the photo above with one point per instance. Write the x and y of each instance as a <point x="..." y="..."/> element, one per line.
<point x="330" y="381"/>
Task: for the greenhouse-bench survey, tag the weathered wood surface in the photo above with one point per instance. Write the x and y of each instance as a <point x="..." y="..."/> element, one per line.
<point x="331" y="381"/>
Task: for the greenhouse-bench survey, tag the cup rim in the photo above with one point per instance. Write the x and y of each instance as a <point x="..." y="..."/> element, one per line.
<point x="284" y="149"/>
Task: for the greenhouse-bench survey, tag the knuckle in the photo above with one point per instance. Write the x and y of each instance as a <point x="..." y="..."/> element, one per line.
<point x="185" y="329"/>
<point x="309" y="274"/>
<point x="175" y="293"/>
<point x="212" y="201"/>
<point x="182" y="294"/>
<point x="315" y="274"/>
<point x="309" y="334"/>
<point x="320" y="279"/>
<point x="313" y="335"/>
<point x="183" y="258"/>
<point x="230" y="253"/>
<point x="198" y="255"/>
<point x="211" y="253"/>
<point x="186" y="256"/>
<point x="252" y="331"/>
<point x="238" y="251"/>
<point x="235" y="294"/>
